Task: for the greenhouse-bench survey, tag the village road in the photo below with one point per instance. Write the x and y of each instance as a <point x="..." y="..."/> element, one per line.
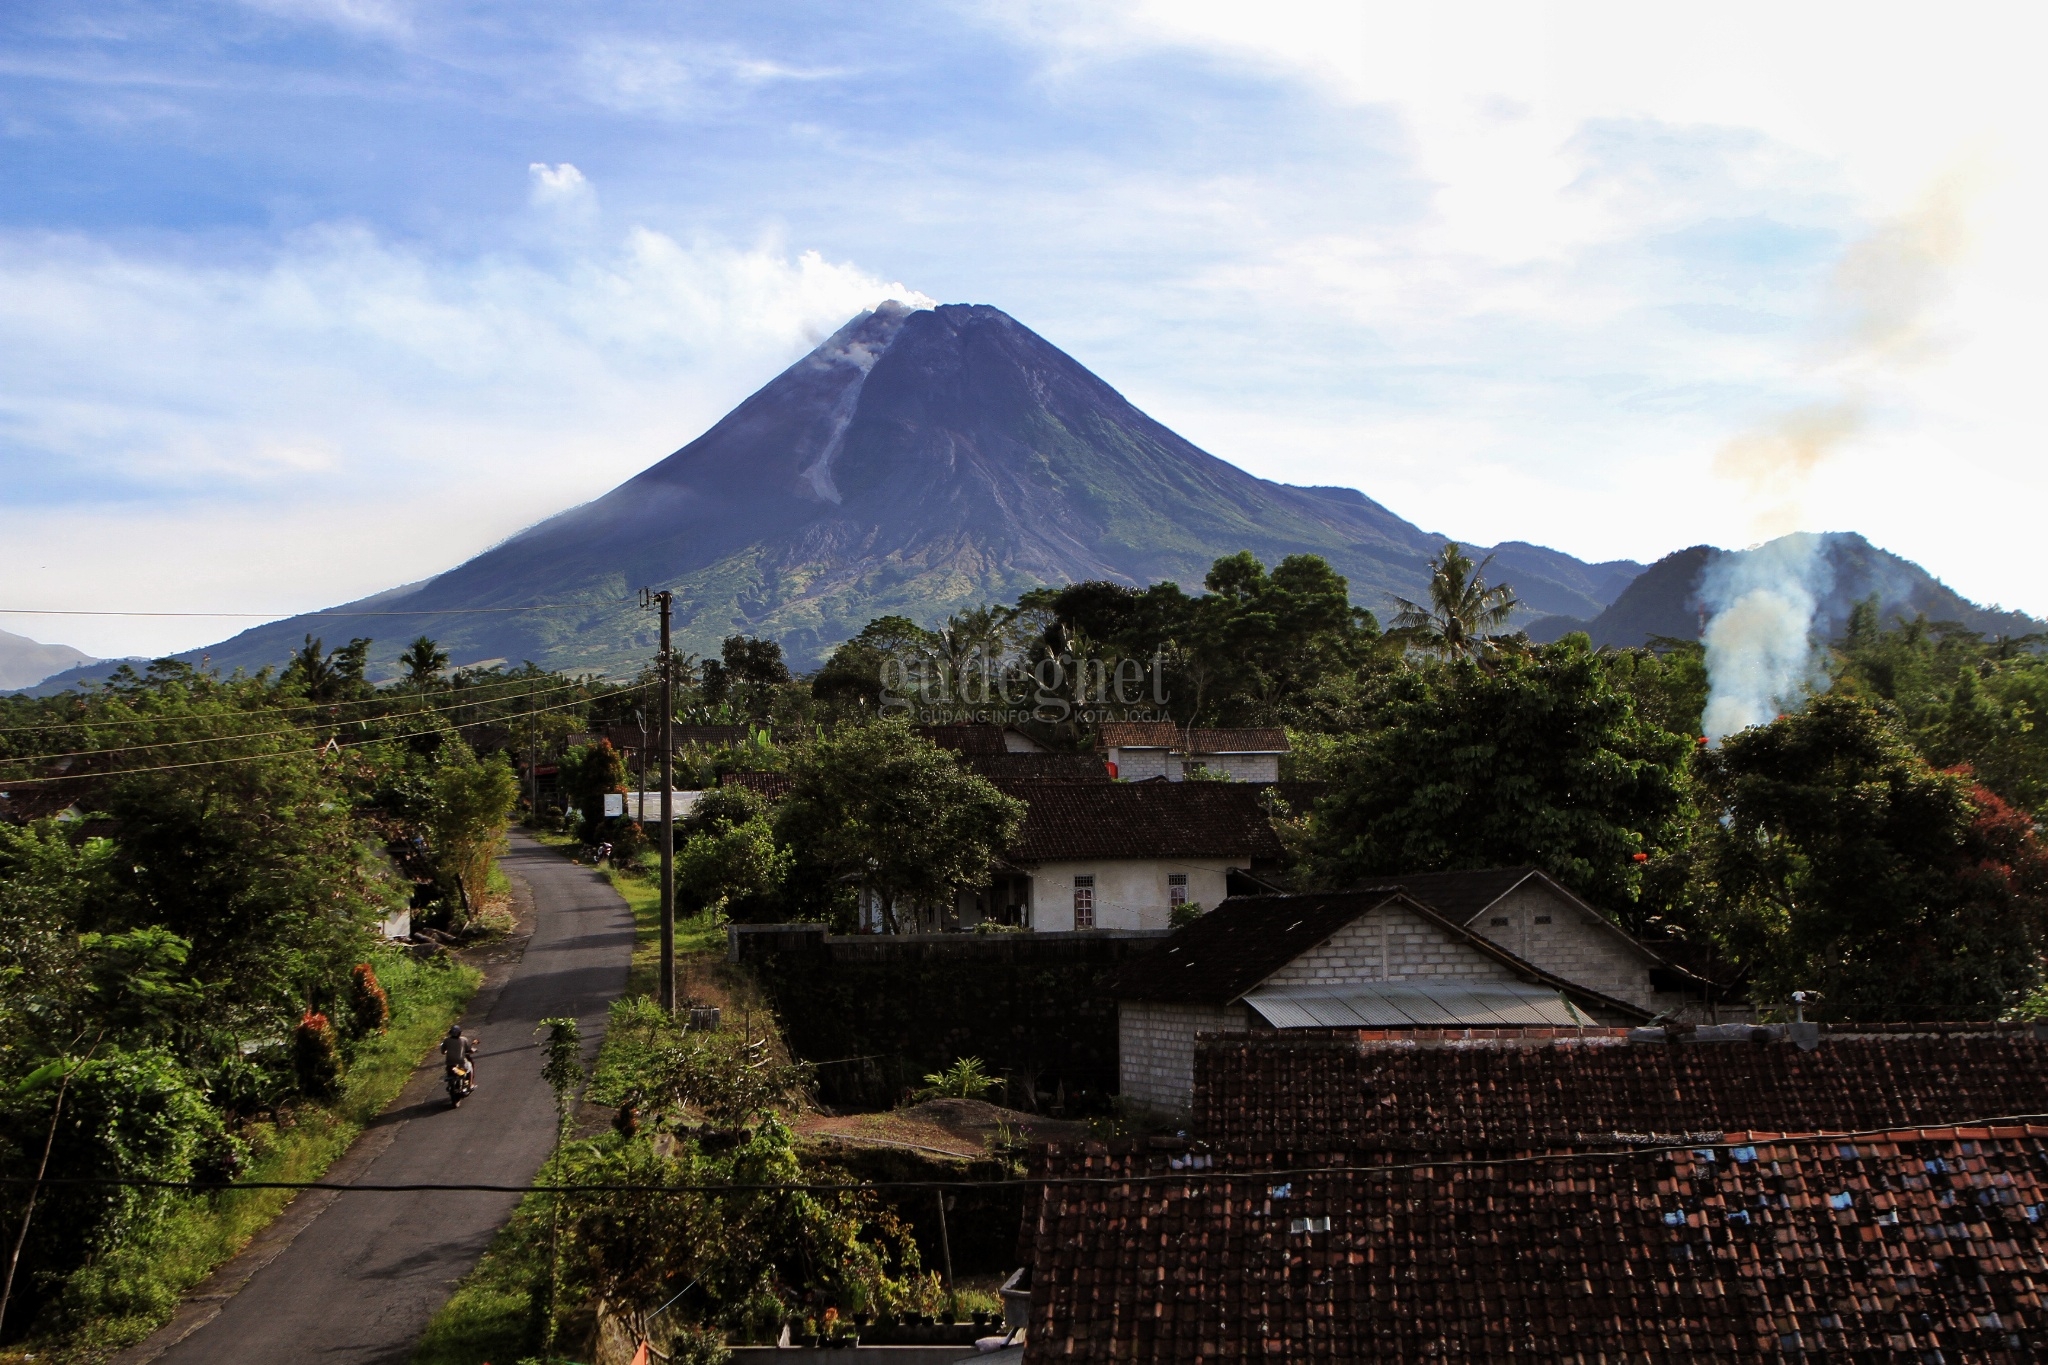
<point x="359" y="1283"/>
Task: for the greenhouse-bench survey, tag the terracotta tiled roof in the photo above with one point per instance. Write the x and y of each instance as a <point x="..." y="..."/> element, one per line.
<point x="1144" y="820"/>
<point x="1237" y="741"/>
<point x="1140" y="734"/>
<point x="774" y="786"/>
<point x="1924" y="1244"/>
<point x="1247" y="938"/>
<point x="1298" y="1088"/>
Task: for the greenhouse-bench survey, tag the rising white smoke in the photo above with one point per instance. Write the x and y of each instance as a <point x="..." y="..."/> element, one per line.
<point x="1762" y="659"/>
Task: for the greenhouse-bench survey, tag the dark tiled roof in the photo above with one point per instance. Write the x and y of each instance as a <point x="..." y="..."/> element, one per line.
<point x="1237" y="741"/>
<point x="1140" y="734"/>
<point x="966" y="738"/>
<point x="1298" y="1088"/>
<point x="1238" y="944"/>
<point x="1925" y="1244"/>
<point x="1247" y="938"/>
<point x="1007" y="769"/>
<point x="1144" y="820"/>
<point x="1458" y="895"/>
<point x="774" y="786"/>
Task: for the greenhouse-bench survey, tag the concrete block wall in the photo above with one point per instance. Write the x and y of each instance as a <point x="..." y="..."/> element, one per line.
<point x="1156" y="1051"/>
<point x="1549" y="931"/>
<point x="1241" y="767"/>
<point x="1390" y="943"/>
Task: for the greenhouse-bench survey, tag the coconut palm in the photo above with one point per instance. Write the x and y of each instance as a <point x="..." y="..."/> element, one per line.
<point x="1463" y="609"/>
<point x="423" y="661"/>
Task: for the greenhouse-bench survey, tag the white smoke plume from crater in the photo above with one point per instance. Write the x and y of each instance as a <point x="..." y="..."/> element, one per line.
<point x="1762" y="659"/>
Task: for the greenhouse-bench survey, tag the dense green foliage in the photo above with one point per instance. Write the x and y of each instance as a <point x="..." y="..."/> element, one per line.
<point x="706" y="1109"/>
<point x="1539" y="759"/>
<point x="880" y="813"/>
<point x="194" y="874"/>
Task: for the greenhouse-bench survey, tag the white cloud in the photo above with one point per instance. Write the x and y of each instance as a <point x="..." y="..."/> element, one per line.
<point x="557" y="186"/>
<point x="350" y="413"/>
<point x="1534" y="270"/>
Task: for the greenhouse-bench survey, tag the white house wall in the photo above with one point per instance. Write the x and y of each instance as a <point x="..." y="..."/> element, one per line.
<point x="1130" y="893"/>
<point x="1241" y="767"/>
<point x="1156" y="1051"/>
<point x="1136" y="765"/>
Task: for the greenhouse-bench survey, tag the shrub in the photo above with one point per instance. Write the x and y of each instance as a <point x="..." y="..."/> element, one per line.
<point x="964" y="1080"/>
<point x="315" y="1058"/>
<point x="367" y="1003"/>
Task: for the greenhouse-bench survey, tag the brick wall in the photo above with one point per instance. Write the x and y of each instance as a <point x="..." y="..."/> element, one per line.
<point x="1156" y="1051"/>
<point x="1388" y="944"/>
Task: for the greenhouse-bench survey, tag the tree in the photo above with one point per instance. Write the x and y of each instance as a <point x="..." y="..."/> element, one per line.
<point x="852" y="679"/>
<point x="1463" y="610"/>
<point x="588" y="774"/>
<point x="730" y="863"/>
<point x="1844" y="863"/>
<point x="1538" y="759"/>
<point x="423" y="661"/>
<point x="472" y="800"/>
<point x="877" y="808"/>
<point x="745" y="674"/>
<point x="329" y="676"/>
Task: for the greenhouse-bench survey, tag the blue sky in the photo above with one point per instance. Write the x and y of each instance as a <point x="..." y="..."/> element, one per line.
<point x="303" y="298"/>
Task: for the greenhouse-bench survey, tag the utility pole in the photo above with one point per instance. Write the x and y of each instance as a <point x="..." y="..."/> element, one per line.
<point x="665" y="600"/>
<point x="532" y="756"/>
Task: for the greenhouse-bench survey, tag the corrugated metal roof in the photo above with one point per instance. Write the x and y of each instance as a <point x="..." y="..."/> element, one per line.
<point x="1436" y="1003"/>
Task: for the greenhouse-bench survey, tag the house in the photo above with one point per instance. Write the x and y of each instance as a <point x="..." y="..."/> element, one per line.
<point x="968" y="737"/>
<point x="1305" y="1089"/>
<point x="1119" y="855"/>
<point x="1366" y="958"/>
<point x="1920" y="1244"/>
<point x="1684" y="1194"/>
<point x="1139" y="750"/>
<point x="1526" y="912"/>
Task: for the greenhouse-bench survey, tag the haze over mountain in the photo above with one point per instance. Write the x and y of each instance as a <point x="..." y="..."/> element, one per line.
<point x="24" y="661"/>
<point x="917" y="462"/>
<point x="1665" y="599"/>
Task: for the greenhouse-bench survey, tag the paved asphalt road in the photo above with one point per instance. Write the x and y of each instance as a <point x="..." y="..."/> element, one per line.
<point x="361" y="1281"/>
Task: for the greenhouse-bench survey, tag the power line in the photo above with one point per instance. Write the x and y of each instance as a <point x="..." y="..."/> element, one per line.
<point x="248" y="758"/>
<point x="301" y="615"/>
<point x="258" y="734"/>
<point x="1918" y="1132"/>
<point x="381" y="699"/>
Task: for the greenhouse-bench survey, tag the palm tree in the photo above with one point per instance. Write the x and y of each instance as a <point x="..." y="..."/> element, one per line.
<point x="1463" y="610"/>
<point x="423" y="660"/>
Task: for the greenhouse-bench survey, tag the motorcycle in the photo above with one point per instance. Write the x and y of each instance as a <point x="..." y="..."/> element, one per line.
<point x="460" y="1079"/>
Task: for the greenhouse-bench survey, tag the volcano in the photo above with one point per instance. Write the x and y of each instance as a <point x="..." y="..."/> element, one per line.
<point x="919" y="461"/>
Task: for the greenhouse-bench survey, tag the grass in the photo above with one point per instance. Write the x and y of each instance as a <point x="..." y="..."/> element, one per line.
<point x="139" y="1285"/>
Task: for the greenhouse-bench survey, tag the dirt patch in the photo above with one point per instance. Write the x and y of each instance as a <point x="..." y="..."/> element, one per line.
<point x="950" y="1127"/>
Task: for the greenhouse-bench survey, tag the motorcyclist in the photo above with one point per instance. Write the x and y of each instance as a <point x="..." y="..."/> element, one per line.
<point x="457" y="1049"/>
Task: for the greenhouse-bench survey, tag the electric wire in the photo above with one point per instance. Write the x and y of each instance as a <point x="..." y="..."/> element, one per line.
<point x="382" y="698"/>
<point x="282" y="616"/>
<point x="252" y="758"/>
<point x="268" y="734"/>
<point x="1896" y="1132"/>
